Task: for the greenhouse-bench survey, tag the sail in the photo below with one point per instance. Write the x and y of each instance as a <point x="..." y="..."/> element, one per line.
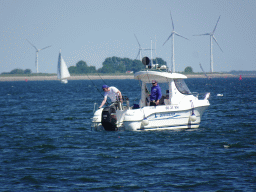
<point x="62" y="70"/>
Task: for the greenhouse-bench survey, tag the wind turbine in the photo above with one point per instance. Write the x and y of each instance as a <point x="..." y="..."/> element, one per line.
<point x="172" y="35"/>
<point x="37" y="50"/>
<point x="211" y="37"/>
<point x="140" y="49"/>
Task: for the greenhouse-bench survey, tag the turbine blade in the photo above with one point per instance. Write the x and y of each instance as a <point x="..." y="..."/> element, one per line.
<point x="172" y="21"/>
<point x="32" y="45"/>
<point x="168" y="38"/>
<point x="202" y="34"/>
<point x="138" y="54"/>
<point x="216" y="25"/>
<point x="137" y="40"/>
<point x="44" y="48"/>
<point x="216" y="42"/>
<point x="181" y="36"/>
<point x="36" y="58"/>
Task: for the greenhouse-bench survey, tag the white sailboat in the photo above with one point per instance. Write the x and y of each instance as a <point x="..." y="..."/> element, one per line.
<point x="62" y="70"/>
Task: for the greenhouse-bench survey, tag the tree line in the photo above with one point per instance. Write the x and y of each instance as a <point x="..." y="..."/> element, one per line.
<point x="113" y="65"/>
<point x="18" y="71"/>
<point x="110" y="65"/>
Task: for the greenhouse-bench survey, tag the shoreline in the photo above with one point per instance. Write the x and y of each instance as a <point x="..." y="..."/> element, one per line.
<point x="94" y="77"/>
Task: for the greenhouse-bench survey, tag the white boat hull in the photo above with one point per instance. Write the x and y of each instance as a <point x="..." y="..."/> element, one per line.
<point x="137" y="120"/>
<point x="64" y="81"/>
<point x="167" y="120"/>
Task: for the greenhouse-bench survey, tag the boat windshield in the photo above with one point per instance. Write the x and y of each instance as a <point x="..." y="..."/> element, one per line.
<point x="182" y="87"/>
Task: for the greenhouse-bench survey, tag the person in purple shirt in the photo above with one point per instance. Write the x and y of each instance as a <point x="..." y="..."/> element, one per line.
<point x="155" y="94"/>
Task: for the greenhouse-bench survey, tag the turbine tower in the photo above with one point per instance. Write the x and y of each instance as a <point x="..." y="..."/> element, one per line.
<point x="140" y="49"/>
<point x="37" y="50"/>
<point x="172" y="35"/>
<point x="212" y="37"/>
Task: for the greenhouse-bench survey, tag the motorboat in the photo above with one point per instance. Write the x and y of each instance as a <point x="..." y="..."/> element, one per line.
<point x="178" y="108"/>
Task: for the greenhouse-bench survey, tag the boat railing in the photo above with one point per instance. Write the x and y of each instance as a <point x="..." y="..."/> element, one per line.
<point x="195" y="94"/>
<point x="201" y="96"/>
<point x="95" y="107"/>
<point x="207" y="95"/>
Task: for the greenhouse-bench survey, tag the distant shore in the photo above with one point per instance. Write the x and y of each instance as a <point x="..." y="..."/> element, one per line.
<point x="85" y="77"/>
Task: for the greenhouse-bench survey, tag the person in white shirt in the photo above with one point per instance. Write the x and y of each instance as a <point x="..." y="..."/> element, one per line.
<point x="112" y="93"/>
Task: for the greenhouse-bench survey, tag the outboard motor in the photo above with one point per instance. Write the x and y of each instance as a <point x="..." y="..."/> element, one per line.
<point x="108" y="119"/>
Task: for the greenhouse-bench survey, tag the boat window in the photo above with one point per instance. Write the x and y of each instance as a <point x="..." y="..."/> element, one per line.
<point x="182" y="87"/>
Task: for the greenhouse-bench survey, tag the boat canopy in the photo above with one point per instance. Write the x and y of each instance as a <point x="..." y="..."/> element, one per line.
<point x="160" y="77"/>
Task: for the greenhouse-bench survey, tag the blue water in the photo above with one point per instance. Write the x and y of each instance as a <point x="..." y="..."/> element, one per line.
<point x="46" y="142"/>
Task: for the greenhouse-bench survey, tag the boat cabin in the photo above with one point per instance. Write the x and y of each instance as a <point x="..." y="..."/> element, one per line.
<point x="173" y="87"/>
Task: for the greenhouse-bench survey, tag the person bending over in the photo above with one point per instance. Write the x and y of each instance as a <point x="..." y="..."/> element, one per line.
<point x="112" y="92"/>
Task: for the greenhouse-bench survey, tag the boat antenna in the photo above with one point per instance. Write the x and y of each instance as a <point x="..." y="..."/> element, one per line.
<point x="155" y="52"/>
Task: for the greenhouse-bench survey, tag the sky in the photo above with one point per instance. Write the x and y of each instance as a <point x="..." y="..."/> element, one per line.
<point x="92" y="30"/>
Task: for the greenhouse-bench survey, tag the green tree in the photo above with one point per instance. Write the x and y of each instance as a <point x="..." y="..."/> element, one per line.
<point x="159" y="61"/>
<point x="136" y="66"/>
<point x="17" y="71"/>
<point x="91" y="69"/>
<point x="107" y="66"/>
<point x="27" y="71"/>
<point x="81" y="64"/>
<point x="81" y="68"/>
<point x="120" y="65"/>
<point x="188" y="70"/>
<point x="72" y="70"/>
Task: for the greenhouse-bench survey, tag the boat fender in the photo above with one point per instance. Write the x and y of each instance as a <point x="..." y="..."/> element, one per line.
<point x="192" y="117"/>
<point x="144" y="122"/>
